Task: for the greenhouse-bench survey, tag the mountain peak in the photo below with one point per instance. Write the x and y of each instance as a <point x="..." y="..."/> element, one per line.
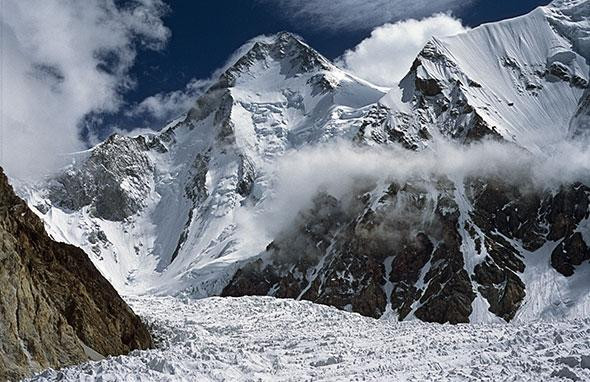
<point x="294" y="56"/>
<point x="179" y="219"/>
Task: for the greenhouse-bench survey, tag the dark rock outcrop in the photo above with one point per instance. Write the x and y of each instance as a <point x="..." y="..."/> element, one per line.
<point x="449" y="293"/>
<point x="405" y="249"/>
<point x="571" y="252"/>
<point x="114" y="181"/>
<point x="345" y="253"/>
<point x="56" y="309"/>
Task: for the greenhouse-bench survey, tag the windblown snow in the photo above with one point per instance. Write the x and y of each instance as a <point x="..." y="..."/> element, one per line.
<point x="267" y="339"/>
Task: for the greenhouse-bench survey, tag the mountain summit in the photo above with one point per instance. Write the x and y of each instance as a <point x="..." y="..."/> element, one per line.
<point x="144" y="205"/>
<point x="520" y="80"/>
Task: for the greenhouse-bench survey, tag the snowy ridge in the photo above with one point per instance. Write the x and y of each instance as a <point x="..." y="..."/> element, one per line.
<point x="523" y="77"/>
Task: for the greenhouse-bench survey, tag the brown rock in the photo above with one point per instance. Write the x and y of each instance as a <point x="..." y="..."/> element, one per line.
<point x="54" y="304"/>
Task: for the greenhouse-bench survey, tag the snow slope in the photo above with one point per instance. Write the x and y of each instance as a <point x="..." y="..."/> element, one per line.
<point x="267" y="339"/>
<point x="524" y="77"/>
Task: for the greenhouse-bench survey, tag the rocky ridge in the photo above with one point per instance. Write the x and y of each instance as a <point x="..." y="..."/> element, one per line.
<point x="55" y="307"/>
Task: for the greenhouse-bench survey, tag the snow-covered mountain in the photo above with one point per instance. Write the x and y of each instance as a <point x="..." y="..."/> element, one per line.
<point x="160" y="210"/>
<point x="172" y="212"/>
<point x="520" y="79"/>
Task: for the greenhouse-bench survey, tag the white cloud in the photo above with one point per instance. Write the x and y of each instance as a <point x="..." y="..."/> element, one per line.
<point x="163" y="107"/>
<point x="386" y="56"/>
<point x="340" y="167"/>
<point x="334" y="16"/>
<point x="62" y="59"/>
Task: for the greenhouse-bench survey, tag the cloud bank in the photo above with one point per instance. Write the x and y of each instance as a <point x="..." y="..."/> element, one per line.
<point x="386" y="56"/>
<point x="338" y="168"/>
<point x="155" y="111"/>
<point x="347" y="15"/>
<point x="63" y="59"/>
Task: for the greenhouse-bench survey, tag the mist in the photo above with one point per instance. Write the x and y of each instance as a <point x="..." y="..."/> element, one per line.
<point x="341" y="168"/>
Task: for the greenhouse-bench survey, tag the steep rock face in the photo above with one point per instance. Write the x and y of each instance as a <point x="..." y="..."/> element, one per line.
<point x="113" y="182"/>
<point x="55" y="307"/>
<point x="378" y="259"/>
<point x="422" y="248"/>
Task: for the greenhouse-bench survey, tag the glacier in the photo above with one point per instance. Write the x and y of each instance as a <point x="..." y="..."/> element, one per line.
<point x="267" y="339"/>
